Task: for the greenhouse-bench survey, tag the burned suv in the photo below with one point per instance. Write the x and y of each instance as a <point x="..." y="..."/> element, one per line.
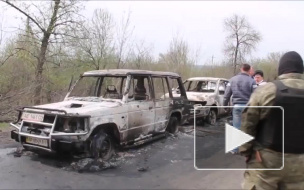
<point x="103" y="109"/>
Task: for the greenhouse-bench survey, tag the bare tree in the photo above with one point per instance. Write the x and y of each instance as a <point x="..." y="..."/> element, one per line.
<point x="97" y="39"/>
<point x="3" y="58"/>
<point x="241" y="40"/>
<point x="8" y="99"/>
<point x="123" y="40"/>
<point x="52" y="22"/>
<point x="141" y="55"/>
<point x="178" y="55"/>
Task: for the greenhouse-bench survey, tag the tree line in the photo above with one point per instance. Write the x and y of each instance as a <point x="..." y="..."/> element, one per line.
<point x="56" y="44"/>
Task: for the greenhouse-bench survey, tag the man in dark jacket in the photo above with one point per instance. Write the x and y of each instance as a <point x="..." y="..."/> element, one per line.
<point x="240" y="88"/>
<point x="266" y="125"/>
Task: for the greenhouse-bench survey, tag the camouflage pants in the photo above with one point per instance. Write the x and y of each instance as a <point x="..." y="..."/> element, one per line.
<point x="290" y="177"/>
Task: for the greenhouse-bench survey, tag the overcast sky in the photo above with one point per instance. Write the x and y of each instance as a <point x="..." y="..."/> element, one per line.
<point x="200" y="23"/>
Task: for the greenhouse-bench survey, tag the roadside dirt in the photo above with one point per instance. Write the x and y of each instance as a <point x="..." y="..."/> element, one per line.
<point x="5" y="136"/>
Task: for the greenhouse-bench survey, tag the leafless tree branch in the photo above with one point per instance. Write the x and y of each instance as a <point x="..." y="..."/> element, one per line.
<point x="25" y="14"/>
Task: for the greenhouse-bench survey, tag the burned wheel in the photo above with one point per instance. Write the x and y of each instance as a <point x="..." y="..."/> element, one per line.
<point x="172" y="125"/>
<point x="102" y="146"/>
<point x="211" y="118"/>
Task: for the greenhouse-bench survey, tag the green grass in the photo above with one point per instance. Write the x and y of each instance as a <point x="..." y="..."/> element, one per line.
<point x="4" y="125"/>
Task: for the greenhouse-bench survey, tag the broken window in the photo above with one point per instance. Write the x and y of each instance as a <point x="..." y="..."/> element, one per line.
<point x="202" y="86"/>
<point x="174" y="83"/>
<point x="104" y="87"/>
<point x="140" y="88"/>
<point x="86" y="87"/>
<point x="112" y="87"/>
<point x="160" y="88"/>
<point x="177" y="85"/>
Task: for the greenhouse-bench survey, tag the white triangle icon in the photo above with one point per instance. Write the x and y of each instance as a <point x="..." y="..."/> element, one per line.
<point x="235" y="138"/>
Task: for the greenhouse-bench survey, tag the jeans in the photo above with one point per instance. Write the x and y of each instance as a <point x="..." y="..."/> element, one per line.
<point x="237" y="117"/>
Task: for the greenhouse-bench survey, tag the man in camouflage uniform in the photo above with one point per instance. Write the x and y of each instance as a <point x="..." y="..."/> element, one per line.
<point x="265" y="151"/>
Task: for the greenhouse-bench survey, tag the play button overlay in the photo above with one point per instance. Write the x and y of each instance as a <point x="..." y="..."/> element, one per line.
<point x="235" y="138"/>
<point x="213" y="144"/>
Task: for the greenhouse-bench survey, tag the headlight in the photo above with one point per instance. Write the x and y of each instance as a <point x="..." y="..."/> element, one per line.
<point x="71" y="125"/>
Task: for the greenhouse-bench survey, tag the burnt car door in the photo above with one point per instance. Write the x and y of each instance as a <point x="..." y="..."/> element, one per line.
<point x="161" y="102"/>
<point x="179" y="101"/>
<point x="141" y="110"/>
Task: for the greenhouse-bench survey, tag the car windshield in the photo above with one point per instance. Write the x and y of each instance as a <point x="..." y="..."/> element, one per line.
<point x="200" y="86"/>
<point x="101" y="87"/>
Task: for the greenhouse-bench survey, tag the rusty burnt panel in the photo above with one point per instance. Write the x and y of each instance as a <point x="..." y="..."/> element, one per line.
<point x="124" y="72"/>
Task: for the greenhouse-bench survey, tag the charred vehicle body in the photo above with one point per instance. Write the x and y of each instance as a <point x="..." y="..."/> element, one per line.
<point x="206" y="91"/>
<point x="105" y="108"/>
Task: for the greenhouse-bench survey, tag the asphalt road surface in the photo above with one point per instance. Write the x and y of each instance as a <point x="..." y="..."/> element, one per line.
<point x="165" y="164"/>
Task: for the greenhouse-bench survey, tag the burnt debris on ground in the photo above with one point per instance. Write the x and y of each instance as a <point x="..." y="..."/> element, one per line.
<point x="140" y="157"/>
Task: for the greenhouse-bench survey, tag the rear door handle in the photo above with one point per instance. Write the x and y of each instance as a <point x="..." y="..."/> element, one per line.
<point x="150" y="107"/>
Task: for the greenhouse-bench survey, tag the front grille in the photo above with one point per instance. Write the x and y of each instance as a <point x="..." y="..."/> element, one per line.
<point x="37" y="132"/>
<point x="36" y="129"/>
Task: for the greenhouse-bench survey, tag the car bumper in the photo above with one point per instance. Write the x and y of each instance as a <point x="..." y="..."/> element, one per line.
<point x="56" y="145"/>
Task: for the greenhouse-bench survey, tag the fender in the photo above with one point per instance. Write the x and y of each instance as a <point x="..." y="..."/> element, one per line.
<point x="119" y="120"/>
